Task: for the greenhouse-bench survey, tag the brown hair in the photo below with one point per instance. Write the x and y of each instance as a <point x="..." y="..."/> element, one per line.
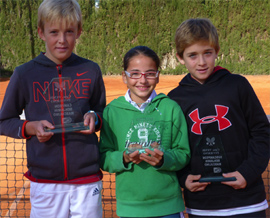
<point x="195" y="30"/>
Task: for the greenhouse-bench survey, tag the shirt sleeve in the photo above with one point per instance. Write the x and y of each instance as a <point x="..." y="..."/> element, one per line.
<point x="178" y="156"/>
<point x="111" y="158"/>
<point x="98" y="98"/>
<point x="12" y="107"/>
<point x="259" y="131"/>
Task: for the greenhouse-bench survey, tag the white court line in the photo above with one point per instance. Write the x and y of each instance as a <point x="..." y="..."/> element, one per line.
<point x="16" y="202"/>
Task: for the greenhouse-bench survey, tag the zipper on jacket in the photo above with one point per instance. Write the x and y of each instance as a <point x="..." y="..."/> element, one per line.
<point x="59" y="69"/>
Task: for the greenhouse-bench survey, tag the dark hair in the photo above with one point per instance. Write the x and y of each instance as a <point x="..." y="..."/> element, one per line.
<point x="140" y="50"/>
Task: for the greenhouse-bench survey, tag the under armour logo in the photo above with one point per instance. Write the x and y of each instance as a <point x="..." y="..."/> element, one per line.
<point x="223" y="123"/>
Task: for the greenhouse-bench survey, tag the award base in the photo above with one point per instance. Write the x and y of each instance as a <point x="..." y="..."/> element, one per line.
<point x="142" y="150"/>
<point x="137" y="147"/>
<point x="217" y="179"/>
<point x="71" y="127"/>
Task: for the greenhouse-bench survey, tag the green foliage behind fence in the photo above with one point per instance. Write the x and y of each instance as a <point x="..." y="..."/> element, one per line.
<point x="118" y="25"/>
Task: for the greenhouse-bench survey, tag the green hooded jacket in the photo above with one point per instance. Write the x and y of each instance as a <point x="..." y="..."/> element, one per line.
<point x="141" y="189"/>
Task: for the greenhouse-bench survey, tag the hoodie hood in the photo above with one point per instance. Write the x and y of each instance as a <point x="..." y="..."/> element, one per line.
<point x="43" y="60"/>
<point x="218" y="73"/>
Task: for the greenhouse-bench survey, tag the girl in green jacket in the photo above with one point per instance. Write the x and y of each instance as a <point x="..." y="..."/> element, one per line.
<point x="144" y="141"/>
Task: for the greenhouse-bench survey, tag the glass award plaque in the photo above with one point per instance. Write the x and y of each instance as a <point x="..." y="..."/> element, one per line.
<point x="64" y="106"/>
<point x="212" y="156"/>
<point x="69" y="127"/>
<point x="142" y="146"/>
<point x="146" y="134"/>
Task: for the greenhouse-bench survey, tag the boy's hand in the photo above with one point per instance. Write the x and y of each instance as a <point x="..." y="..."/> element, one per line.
<point x="240" y="182"/>
<point x="154" y="158"/>
<point x="192" y="183"/>
<point x="89" y="120"/>
<point x="37" y="128"/>
<point x="132" y="157"/>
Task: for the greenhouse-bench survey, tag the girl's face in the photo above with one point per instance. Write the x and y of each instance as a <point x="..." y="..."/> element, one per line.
<point x="140" y="89"/>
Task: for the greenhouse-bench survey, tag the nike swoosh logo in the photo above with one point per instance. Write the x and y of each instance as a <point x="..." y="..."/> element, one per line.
<point x="80" y="74"/>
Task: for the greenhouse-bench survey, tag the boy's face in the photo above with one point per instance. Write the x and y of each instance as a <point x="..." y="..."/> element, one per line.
<point x="199" y="59"/>
<point x="60" y="40"/>
<point x="140" y="89"/>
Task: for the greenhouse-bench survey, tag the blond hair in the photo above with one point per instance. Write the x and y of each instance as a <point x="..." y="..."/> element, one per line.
<point x="59" y="10"/>
<point x="195" y="30"/>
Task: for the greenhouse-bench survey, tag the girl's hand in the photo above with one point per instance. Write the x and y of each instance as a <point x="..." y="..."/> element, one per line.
<point x="154" y="158"/>
<point x="132" y="157"/>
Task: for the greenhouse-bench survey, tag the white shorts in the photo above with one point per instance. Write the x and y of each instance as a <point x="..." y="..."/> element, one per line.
<point x="66" y="200"/>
